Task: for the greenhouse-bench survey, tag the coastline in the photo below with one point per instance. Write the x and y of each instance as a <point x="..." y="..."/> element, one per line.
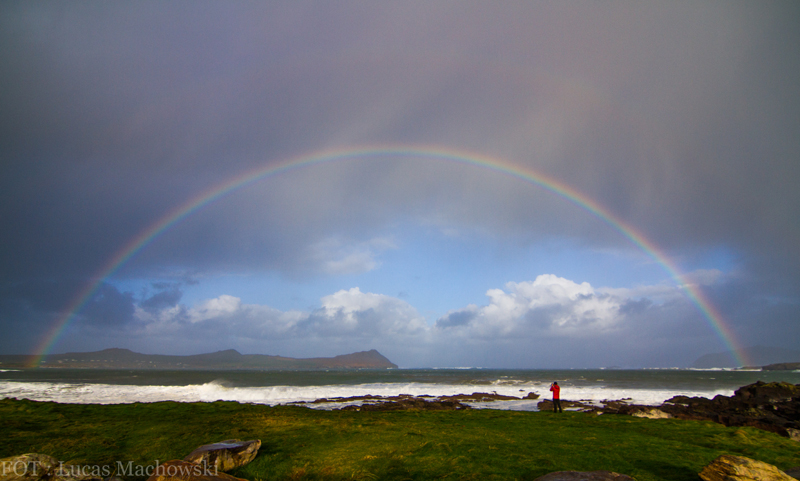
<point x="644" y="387"/>
<point x="513" y="397"/>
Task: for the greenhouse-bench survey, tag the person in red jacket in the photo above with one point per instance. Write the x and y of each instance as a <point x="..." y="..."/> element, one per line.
<point x="556" y="398"/>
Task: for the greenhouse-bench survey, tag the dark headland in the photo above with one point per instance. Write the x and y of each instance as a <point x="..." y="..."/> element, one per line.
<point x="222" y="360"/>
<point x="759" y="356"/>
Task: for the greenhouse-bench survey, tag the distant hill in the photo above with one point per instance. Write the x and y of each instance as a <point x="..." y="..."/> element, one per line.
<point x="784" y="366"/>
<point x="758" y="355"/>
<point x="230" y="359"/>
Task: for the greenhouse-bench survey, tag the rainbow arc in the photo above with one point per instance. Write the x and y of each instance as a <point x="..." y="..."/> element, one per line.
<point x="693" y="292"/>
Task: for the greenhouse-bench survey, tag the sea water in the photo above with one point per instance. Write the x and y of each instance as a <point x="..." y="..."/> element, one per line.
<point x="109" y="386"/>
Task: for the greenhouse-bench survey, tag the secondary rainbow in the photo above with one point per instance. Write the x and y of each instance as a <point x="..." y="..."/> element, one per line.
<point x="435" y="153"/>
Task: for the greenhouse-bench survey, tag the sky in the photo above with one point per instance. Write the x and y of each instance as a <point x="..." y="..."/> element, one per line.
<point x="679" y="121"/>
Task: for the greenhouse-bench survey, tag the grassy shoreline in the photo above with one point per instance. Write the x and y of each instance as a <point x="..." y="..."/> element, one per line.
<point x="302" y="443"/>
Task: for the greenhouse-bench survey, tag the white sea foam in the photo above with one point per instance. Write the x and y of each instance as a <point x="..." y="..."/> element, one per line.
<point x="273" y="395"/>
<point x="726" y="369"/>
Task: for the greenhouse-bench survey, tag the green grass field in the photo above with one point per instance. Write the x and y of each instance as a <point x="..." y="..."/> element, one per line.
<point x="300" y="443"/>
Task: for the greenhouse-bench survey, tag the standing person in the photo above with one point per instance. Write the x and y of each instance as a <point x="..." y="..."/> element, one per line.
<point x="556" y="397"/>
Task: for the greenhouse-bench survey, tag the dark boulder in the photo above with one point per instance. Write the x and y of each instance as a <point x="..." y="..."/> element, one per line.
<point x="479" y="397"/>
<point x="767" y="393"/>
<point x="793" y="472"/>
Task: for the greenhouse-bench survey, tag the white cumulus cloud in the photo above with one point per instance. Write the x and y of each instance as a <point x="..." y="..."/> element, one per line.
<point x="548" y="304"/>
<point x="224" y="306"/>
<point x="365" y="314"/>
<point x="548" y="321"/>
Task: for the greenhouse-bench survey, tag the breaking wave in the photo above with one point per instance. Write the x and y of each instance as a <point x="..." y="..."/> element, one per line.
<point x="84" y="393"/>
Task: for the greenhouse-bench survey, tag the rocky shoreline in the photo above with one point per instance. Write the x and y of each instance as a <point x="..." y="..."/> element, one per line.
<point x="773" y="406"/>
<point x="401" y="402"/>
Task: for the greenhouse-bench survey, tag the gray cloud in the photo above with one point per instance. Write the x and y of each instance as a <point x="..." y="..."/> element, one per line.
<point x="680" y="118"/>
<point x="461" y="317"/>
<point x="168" y="296"/>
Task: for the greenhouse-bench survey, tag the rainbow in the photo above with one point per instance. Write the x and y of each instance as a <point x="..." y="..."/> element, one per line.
<point x="332" y="155"/>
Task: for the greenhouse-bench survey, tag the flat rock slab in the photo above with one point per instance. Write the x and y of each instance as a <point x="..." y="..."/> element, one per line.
<point x="178" y="470"/>
<point x="584" y="476"/>
<point x="739" y="468"/>
<point x="225" y="455"/>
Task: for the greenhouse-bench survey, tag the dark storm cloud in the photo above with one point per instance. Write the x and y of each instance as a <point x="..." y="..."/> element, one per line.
<point x="680" y="118"/>
<point x="43" y="295"/>
<point x="109" y="307"/>
<point x="143" y="106"/>
<point x="168" y="297"/>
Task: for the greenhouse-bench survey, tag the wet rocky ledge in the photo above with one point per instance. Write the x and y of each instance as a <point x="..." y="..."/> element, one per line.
<point x="370" y="402"/>
<point x="773" y="406"/>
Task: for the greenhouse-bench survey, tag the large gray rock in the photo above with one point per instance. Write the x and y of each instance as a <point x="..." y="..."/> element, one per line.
<point x="739" y="468"/>
<point x="27" y="467"/>
<point x="584" y="476"/>
<point x="225" y="455"/>
<point x="41" y="467"/>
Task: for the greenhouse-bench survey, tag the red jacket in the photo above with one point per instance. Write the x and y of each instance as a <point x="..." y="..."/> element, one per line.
<point x="556" y="391"/>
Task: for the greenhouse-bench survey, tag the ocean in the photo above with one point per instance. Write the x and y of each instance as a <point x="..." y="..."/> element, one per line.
<point x="641" y="386"/>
